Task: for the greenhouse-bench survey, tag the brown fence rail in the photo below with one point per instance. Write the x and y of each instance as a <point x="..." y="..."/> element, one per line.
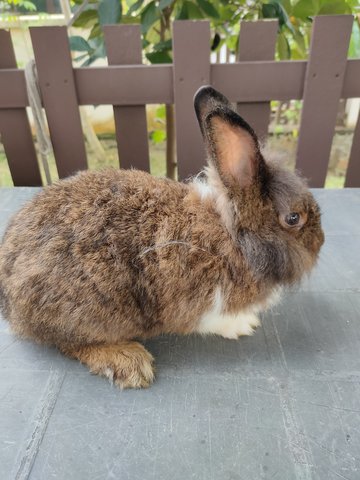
<point x="252" y="82"/>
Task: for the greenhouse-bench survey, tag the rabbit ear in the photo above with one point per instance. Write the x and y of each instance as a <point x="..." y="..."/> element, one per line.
<point x="230" y="142"/>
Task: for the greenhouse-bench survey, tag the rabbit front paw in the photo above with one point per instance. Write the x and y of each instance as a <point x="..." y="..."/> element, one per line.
<point x="229" y="326"/>
<point x="243" y="324"/>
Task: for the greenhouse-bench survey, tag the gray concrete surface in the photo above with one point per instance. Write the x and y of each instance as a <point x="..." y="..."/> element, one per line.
<point x="283" y="404"/>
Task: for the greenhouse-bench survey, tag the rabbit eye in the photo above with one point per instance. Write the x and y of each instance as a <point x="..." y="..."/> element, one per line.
<point x="292" y="218"/>
<point x="293" y="221"/>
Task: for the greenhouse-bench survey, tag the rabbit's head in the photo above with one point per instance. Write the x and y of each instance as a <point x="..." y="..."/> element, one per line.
<point x="269" y="211"/>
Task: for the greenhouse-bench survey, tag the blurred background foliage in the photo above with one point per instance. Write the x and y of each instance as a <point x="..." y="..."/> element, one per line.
<point x="155" y="17"/>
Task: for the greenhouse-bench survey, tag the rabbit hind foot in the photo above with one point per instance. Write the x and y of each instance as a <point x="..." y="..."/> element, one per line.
<point x="127" y="365"/>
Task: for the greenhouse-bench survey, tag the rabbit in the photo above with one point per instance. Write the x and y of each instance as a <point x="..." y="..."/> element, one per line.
<point x="100" y="260"/>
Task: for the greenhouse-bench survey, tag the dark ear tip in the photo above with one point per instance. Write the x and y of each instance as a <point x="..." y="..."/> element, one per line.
<point x="207" y="99"/>
<point x="204" y="91"/>
<point x="207" y="93"/>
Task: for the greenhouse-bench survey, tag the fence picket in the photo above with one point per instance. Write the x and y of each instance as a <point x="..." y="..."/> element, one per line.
<point x="123" y="46"/>
<point x="191" y="49"/>
<point x="323" y="85"/>
<point x="257" y="41"/>
<point x="15" y="133"/>
<point x="56" y="79"/>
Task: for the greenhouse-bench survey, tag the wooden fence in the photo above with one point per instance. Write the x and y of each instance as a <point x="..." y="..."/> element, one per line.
<point x="252" y="82"/>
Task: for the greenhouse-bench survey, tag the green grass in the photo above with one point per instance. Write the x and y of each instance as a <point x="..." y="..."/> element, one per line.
<point x="334" y="181"/>
<point x="157" y="158"/>
<point x="5" y="177"/>
<point x="157" y="165"/>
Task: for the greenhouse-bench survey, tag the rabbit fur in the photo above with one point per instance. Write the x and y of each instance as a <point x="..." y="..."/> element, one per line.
<point x="104" y="258"/>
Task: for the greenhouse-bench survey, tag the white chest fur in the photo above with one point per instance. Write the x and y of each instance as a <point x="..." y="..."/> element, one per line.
<point x="217" y="322"/>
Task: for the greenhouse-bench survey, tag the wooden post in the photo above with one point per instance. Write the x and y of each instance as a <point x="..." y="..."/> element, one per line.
<point x="123" y="46"/>
<point x="56" y="79"/>
<point x="257" y="41"/>
<point x="322" y="91"/>
<point x="191" y="48"/>
<point x="15" y="133"/>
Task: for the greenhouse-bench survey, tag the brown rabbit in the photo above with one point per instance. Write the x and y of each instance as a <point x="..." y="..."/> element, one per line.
<point x="100" y="259"/>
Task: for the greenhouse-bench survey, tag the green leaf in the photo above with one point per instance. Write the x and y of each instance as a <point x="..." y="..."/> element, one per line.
<point x="96" y="31"/>
<point x="29" y="6"/>
<point x="296" y="53"/>
<point x="110" y="11"/>
<point x="159" y="57"/>
<point x="274" y="9"/>
<point x="80" y="57"/>
<point x="167" y="45"/>
<point x="354" y="47"/>
<point x="86" y="19"/>
<point x="284" y="18"/>
<point x="98" y="46"/>
<point x="149" y="16"/>
<point x="79" y="44"/>
<point x="88" y="62"/>
<point x="250" y="16"/>
<point x="158" y="136"/>
<point x="145" y="43"/>
<point x="287" y="6"/>
<point x="334" y="7"/>
<point x="98" y="51"/>
<point x="183" y="13"/>
<point x="300" y="42"/>
<point x="160" y="112"/>
<point x="135" y="6"/>
<point x="283" y="47"/>
<point x="189" y="10"/>
<point x="232" y="42"/>
<point x="227" y="13"/>
<point x="165" y="3"/>
<point x="269" y="10"/>
<point x="193" y="11"/>
<point x="306" y="8"/>
<point x="208" y="8"/>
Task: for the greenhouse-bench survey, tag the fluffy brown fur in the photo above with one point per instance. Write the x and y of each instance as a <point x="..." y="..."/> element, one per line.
<point x="102" y="258"/>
